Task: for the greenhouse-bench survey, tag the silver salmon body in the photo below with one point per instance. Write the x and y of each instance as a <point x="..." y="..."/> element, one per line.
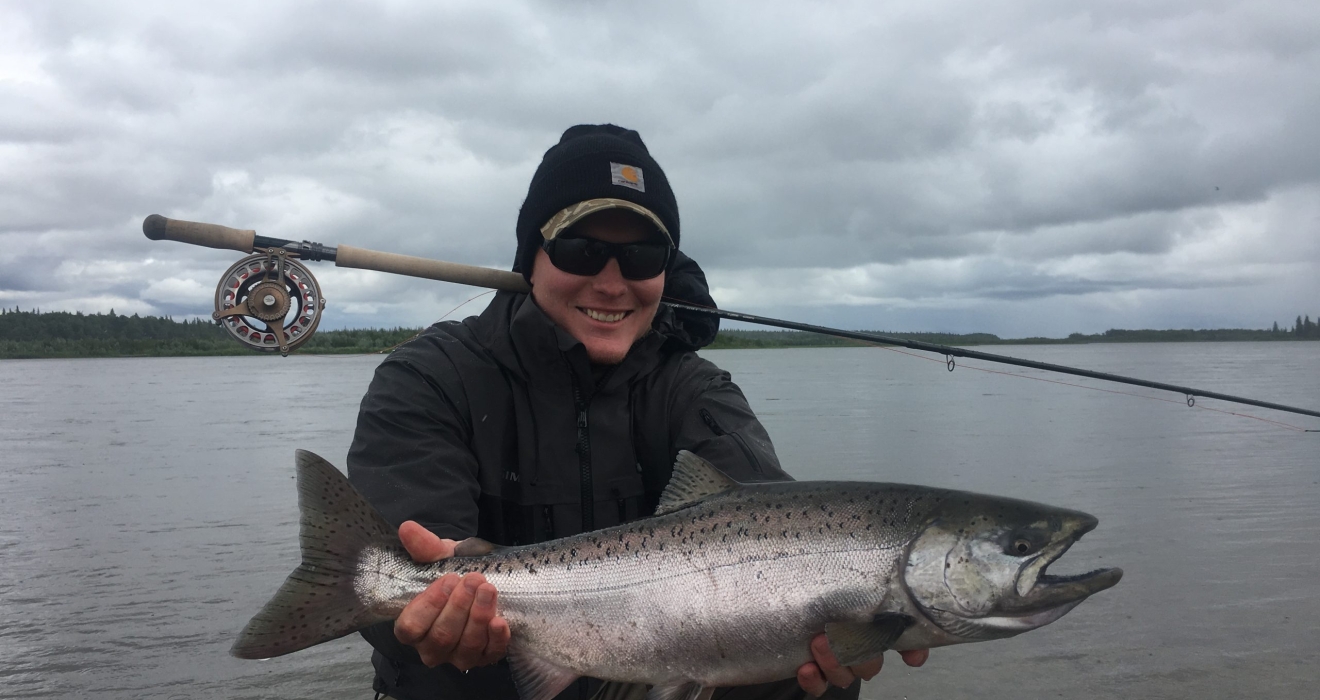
<point x="726" y="585"/>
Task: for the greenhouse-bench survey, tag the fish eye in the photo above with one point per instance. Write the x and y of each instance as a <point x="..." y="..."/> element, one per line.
<point x="1021" y="547"/>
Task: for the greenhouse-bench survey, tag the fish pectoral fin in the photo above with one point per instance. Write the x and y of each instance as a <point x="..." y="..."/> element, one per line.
<point x="855" y="642"/>
<point x="693" y="479"/>
<point x="536" y="678"/>
<point x="679" y="691"/>
<point x="474" y="547"/>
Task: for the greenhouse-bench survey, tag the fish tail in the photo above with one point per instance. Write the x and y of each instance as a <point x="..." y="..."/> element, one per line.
<point x="319" y="601"/>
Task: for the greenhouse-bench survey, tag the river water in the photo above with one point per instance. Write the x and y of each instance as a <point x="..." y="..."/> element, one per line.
<point x="147" y="509"/>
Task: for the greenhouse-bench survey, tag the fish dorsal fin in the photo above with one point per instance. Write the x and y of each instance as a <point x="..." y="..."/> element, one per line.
<point x="693" y="479"/>
<point x="536" y="678"/>
<point x="855" y="642"/>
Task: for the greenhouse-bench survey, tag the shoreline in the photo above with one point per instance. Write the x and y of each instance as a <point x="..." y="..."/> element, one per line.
<point x="63" y="335"/>
<point x="140" y="349"/>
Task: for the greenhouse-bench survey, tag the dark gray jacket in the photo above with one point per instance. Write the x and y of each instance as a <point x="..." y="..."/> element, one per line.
<point x="500" y="427"/>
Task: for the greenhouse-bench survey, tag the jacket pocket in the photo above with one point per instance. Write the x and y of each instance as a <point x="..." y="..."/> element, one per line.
<point x="738" y="440"/>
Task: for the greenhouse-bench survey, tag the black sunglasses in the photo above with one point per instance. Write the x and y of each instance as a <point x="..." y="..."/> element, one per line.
<point x="587" y="256"/>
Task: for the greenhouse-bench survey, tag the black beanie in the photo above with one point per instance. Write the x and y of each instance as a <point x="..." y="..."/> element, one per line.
<point x="587" y="164"/>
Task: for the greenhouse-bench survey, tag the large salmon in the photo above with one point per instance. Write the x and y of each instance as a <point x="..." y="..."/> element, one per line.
<point x="725" y="585"/>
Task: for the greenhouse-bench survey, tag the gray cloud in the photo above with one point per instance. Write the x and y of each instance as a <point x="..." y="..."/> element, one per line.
<point x="945" y="163"/>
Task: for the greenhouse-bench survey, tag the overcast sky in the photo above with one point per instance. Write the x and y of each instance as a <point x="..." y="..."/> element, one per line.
<point x="1017" y="167"/>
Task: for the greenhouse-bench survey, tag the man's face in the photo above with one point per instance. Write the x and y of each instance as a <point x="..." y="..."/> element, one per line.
<point x="604" y="311"/>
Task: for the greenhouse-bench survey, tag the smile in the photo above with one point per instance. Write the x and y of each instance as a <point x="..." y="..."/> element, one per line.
<point x="604" y="316"/>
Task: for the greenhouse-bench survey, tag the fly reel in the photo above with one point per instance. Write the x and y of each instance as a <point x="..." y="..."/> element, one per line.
<point x="269" y="301"/>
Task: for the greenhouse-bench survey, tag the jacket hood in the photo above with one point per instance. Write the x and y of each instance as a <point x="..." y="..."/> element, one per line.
<point x="685" y="282"/>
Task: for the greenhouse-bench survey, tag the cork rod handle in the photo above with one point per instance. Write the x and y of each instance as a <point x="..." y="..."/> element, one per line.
<point x="157" y="227"/>
<point x="363" y="259"/>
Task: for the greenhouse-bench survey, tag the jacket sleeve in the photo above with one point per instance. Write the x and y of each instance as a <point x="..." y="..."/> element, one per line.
<point x="711" y="418"/>
<point x="410" y="458"/>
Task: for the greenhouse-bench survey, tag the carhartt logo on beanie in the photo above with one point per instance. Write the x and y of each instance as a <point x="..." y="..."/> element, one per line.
<point x="627" y="176"/>
<point x="599" y="166"/>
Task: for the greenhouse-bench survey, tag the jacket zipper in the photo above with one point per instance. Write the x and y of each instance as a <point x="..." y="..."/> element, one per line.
<point x="584" y="463"/>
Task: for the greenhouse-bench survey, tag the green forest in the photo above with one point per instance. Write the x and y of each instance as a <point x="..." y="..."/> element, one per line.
<point x="30" y="334"/>
<point x="33" y="334"/>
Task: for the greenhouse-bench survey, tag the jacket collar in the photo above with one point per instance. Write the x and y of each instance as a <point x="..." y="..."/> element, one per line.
<point x="522" y="339"/>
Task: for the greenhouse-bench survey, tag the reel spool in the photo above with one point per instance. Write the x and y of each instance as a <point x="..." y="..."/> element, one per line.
<point x="269" y="302"/>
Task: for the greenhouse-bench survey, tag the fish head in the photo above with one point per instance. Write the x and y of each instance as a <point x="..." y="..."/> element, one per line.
<point x="978" y="568"/>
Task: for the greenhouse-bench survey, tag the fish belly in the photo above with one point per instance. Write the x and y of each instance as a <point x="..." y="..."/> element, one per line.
<point x="720" y="624"/>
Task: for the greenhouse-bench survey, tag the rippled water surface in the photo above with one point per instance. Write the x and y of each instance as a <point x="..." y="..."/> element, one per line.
<point x="147" y="509"/>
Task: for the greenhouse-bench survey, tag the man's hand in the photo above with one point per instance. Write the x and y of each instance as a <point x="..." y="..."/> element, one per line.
<point x="454" y="619"/>
<point x="817" y="676"/>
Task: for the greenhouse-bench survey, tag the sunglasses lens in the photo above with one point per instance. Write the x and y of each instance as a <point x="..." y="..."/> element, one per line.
<point x="642" y="261"/>
<point x="588" y="256"/>
<point x="579" y="256"/>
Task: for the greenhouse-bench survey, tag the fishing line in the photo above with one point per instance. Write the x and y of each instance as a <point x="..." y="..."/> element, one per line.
<point x="456" y="308"/>
<point x="1096" y="388"/>
<point x="396" y="345"/>
<point x="950" y="352"/>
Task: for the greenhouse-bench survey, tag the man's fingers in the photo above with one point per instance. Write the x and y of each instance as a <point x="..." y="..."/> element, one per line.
<point x="444" y="636"/>
<point x="838" y="675"/>
<point x="497" y="644"/>
<point x="417" y="617"/>
<point x="423" y="545"/>
<point x="915" y="657"/>
<point x="811" y="680"/>
<point x="476" y="633"/>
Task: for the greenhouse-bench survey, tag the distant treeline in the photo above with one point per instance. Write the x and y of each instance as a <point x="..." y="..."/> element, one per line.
<point x="32" y="334"/>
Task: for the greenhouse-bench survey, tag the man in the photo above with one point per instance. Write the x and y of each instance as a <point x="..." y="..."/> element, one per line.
<point x="554" y="414"/>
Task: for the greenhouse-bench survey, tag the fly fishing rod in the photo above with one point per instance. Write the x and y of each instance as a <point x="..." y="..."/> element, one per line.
<point x="270" y="302"/>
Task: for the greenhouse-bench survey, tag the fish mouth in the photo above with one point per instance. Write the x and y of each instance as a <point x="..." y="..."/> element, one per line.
<point x="1039" y="590"/>
<point x="1050" y="598"/>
